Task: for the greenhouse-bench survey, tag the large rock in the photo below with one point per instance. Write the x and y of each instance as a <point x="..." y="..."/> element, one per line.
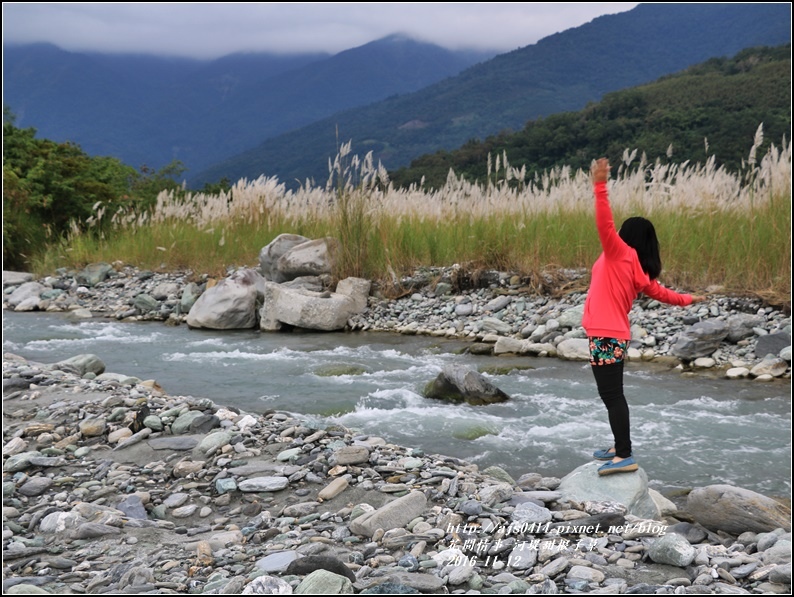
<point x="771" y="365"/>
<point x="393" y="515"/>
<point x="81" y="364"/>
<point x="26" y="295"/>
<point x="741" y="326"/>
<point x="357" y="290"/>
<point x="230" y="304"/>
<point x="772" y="344"/>
<point x="93" y="274"/>
<point x="190" y="294"/>
<point x="630" y="489"/>
<point x="571" y="318"/>
<point x="736" y="510"/>
<point x="324" y="311"/>
<point x="271" y="253"/>
<point x="322" y="582"/>
<point x="672" y="549"/>
<point x="460" y="384"/>
<point x="574" y="349"/>
<point x="700" y="340"/>
<point x="16" y="278"/>
<point x="311" y="258"/>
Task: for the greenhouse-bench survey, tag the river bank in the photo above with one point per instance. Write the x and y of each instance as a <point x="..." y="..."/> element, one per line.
<point x="111" y="485"/>
<point x="497" y="313"/>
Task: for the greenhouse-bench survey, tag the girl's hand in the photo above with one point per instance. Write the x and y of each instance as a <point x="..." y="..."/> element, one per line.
<point x="698" y="299"/>
<point x="599" y="170"/>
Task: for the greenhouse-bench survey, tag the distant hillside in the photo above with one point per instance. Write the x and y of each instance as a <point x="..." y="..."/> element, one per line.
<point x="721" y="101"/>
<point x="562" y="72"/>
<point x="152" y="110"/>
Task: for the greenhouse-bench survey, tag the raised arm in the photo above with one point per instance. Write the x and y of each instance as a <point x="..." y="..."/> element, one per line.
<point x="611" y="243"/>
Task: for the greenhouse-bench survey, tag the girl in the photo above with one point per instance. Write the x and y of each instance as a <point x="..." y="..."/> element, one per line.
<point x="629" y="264"/>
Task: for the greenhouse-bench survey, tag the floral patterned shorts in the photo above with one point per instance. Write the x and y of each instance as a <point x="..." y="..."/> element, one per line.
<point x="607" y="351"/>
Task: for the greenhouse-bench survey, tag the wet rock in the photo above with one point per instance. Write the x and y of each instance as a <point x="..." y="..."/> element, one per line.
<point x="461" y="384"/>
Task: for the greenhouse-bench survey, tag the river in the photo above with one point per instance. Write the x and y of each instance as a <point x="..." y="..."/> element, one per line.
<point x="687" y="431"/>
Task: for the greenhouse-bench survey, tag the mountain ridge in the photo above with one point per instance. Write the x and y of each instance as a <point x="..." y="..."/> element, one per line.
<point x="557" y="74"/>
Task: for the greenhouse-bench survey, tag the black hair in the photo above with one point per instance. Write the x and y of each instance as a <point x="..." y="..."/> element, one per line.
<point x="640" y="235"/>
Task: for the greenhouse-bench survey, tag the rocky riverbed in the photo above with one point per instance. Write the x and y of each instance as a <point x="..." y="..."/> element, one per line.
<point x="111" y="485"/>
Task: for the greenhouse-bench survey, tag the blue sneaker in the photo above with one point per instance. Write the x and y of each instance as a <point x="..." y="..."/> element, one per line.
<point x="604" y="454"/>
<point x="627" y="465"/>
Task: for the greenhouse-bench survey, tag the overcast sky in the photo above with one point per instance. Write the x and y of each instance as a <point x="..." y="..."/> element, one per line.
<point x="210" y="30"/>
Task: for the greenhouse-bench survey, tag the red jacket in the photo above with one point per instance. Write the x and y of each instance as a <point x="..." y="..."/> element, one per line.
<point x="617" y="279"/>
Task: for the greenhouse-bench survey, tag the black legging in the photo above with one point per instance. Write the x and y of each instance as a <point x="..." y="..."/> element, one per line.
<point x="609" y="379"/>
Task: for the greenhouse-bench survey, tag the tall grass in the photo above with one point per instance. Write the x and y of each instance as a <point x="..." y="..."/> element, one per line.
<point x="715" y="227"/>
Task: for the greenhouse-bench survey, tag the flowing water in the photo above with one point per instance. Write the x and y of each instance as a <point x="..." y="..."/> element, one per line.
<point x="687" y="431"/>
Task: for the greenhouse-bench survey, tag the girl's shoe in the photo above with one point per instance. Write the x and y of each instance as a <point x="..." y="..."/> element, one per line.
<point x="626" y="465"/>
<point x="604" y="454"/>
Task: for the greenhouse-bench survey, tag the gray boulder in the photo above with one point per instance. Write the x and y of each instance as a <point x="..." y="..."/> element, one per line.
<point x="324" y="311"/>
<point x="16" y="278"/>
<point x="772" y="344"/>
<point x="165" y="291"/>
<point x="145" y="303"/>
<point x="27" y="294"/>
<point x="736" y="510"/>
<point x="700" y="339"/>
<point x="574" y="349"/>
<point x="459" y="384"/>
<point x="741" y="326"/>
<point x="322" y="582"/>
<point x="230" y="304"/>
<point x="190" y="294"/>
<point x="571" y="318"/>
<point x="771" y="365"/>
<point x="630" y="489"/>
<point x="93" y="274"/>
<point x="81" y="364"/>
<point x="672" y="549"/>
<point x="311" y="258"/>
<point x="271" y="253"/>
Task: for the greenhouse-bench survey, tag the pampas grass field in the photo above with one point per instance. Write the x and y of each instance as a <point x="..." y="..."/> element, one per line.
<point x="716" y="228"/>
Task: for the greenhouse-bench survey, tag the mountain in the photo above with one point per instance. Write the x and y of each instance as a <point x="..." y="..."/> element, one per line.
<point x="560" y="73"/>
<point x="152" y="110"/>
<point x="721" y="100"/>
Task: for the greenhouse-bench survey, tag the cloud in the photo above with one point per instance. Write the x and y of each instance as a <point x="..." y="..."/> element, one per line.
<point x="209" y="30"/>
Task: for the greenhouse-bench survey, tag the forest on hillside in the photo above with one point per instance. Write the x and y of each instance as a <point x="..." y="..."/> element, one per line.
<point x="711" y="109"/>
